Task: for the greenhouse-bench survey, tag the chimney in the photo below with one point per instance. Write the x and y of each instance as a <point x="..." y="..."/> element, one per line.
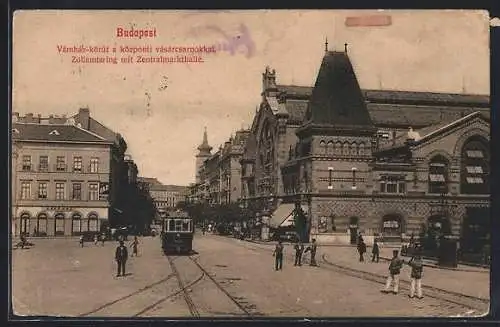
<point x="84" y="117"/>
<point x="52" y="120"/>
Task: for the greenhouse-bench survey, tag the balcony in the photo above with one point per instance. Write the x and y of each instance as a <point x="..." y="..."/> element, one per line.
<point x="60" y="167"/>
<point x="27" y="167"/>
<point x="43" y="168"/>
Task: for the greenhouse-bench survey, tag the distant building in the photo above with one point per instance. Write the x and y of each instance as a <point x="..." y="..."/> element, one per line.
<point x="219" y="175"/>
<point x="60" y="179"/>
<point x="165" y="197"/>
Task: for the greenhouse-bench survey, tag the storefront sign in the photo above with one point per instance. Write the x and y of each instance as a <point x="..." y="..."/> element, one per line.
<point x="64" y="209"/>
<point x="391" y="224"/>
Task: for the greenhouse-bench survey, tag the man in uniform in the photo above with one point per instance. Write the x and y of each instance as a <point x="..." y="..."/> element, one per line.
<point x="417" y="267"/>
<point x="394" y="271"/>
<point x="121" y="256"/>
<point x="299" y="249"/>
<point x="278" y="254"/>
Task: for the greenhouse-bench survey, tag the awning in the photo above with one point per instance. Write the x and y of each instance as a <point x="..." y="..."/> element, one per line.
<point x="283" y="215"/>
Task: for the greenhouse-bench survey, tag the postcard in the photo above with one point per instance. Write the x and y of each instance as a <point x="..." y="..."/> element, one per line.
<point x="250" y="164"/>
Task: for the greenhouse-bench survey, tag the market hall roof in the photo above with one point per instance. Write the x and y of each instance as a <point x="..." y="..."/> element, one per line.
<point x="336" y="99"/>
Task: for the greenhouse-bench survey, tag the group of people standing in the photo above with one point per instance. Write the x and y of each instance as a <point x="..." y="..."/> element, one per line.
<point x="299" y="252"/>
<point x="361" y="246"/>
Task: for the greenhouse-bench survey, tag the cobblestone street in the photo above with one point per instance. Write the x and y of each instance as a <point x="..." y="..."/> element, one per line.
<point x="226" y="277"/>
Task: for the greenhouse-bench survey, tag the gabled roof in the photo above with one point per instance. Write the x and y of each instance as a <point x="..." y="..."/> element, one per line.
<point x="336" y="99"/>
<point x="424" y="134"/>
<point x="54" y="133"/>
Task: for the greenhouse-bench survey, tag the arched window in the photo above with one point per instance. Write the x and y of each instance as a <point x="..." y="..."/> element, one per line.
<point x="438" y="175"/>
<point x="354" y="149"/>
<point x="475" y="167"/>
<point x="41" y="225"/>
<point x="338" y="148"/>
<point x="361" y="149"/>
<point x="345" y="149"/>
<point x="25" y="223"/>
<point x="59" y="224"/>
<point x="330" y="148"/>
<point x="93" y="222"/>
<point x="76" y="220"/>
<point x="322" y="147"/>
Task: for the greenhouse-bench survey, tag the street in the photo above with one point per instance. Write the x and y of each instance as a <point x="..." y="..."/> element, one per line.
<point x="226" y="277"/>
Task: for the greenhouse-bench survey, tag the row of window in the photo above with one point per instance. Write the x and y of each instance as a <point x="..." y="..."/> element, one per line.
<point x="342" y="149"/>
<point x="40" y="223"/>
<point x="59" y="191"/>
<point x="60" y="165"/>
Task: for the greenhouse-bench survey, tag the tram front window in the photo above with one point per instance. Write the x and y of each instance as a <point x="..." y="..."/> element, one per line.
<point x="178" y="225"/>
<point x="185" y="225"/>
<point x="171" y="225"/>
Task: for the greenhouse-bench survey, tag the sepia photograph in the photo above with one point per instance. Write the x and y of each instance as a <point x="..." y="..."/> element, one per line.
<point x="250" y="164"/>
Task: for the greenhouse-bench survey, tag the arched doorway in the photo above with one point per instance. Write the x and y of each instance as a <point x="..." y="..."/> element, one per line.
<point x="353" y="229"/>
<point x="59" y="224"/>
<point x="93" y="222"/>
<point x="41" y="225"/>
<point x="476" y="228"/>
<point x="392" y="227"/>
<point x="76" y="224"/>
<point x="25" y="224"/>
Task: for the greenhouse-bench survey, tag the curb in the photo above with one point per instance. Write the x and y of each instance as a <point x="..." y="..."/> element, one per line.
<point x="434" y="266"/>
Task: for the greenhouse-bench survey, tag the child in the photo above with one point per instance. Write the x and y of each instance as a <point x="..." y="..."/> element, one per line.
<point x="81" y="241"/>
<point x="95" y="239"/>
<point x="417" y="268"/>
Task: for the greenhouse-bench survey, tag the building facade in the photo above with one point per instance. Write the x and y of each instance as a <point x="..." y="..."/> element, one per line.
<point x="165" y="197"/>
<point x="118" y="168"/>
<point x="60" y="175"/>
<point x="219" y="175"/>
<point x="368" y="161"/>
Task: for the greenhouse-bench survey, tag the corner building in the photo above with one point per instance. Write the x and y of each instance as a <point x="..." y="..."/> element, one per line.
<point x="58" y="171"/>
<point x="381" y="163"/>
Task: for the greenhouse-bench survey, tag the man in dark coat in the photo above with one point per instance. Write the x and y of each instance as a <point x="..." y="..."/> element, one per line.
<point x="375" y="252"/>
<point x="299" y="249"/>
<point x="278" y="254"/>
<point x="312" y="248"/>
<point x="121" y="256"/>
<point x="361" y="250"/>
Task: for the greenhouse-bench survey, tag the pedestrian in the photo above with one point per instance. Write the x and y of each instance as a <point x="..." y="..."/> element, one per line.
<point x="394" y="271"/>
<point x="417" y="267"/>
<point x="312" y="248"/>
<point x="81" y="241"/>
<point x="361" y="250"/>
<point x="121" y="256"/>
<point x="278" y="254"/>
<point x="299" y="250"/>
<point x="134" y="244"/>
<point x="96" y="239"/>
<point x="103" y="238"/>
<point x="375" y="251"/>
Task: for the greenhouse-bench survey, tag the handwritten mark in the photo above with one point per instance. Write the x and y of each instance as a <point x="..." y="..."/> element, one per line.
<point x="369" y="20"/>
<point x="163" y="83"/>
<point x="233" y="43"/>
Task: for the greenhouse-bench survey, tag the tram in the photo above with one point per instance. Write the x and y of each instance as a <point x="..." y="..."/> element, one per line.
<point x="177" y="232"/>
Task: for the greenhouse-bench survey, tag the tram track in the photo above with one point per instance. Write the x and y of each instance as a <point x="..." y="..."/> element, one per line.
<point x="141" y="293"/>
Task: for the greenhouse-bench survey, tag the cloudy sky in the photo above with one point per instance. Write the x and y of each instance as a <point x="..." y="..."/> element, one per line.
<point x="161" y="109"/>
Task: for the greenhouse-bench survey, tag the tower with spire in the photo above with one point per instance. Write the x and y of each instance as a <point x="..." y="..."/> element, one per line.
<point x="204" y="152"/>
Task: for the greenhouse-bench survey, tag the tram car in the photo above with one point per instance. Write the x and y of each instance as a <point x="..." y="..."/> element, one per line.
<point x="177" y="232"/>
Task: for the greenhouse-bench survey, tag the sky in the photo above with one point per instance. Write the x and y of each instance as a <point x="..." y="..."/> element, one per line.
<point x="161" y="109"/>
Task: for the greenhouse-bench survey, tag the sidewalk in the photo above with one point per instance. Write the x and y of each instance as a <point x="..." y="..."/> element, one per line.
<point x="471" y="281"/>
<point x="386" y="254"/>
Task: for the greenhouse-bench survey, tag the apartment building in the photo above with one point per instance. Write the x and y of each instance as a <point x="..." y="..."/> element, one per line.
<point x="60" y="179"/>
